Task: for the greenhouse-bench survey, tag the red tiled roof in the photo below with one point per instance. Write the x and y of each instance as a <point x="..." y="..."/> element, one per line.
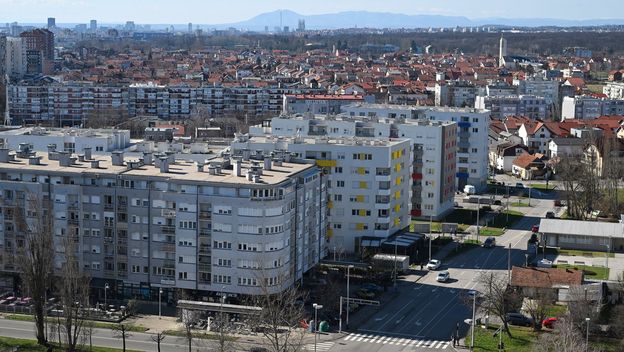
<point x="545" y="277"/>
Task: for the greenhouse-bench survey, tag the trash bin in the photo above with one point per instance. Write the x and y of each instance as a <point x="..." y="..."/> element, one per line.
<point x="324" y="326"/>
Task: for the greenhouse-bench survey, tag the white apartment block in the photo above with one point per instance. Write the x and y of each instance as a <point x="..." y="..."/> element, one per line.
<point x="141" y="225"/>
<point x="586" y="107"/>
<point x="471" y="139"/>
<point x="434" y="144"/>
<point x="614" y="90"/>
<point x="368" y="181"/>
<point x="501" y="106"/>
<point x="13" y="59"/>
<point x="540" y="87"/>
<point x="325" y="104"/>
<point x="71" y="140"/>
<point x="456" y="94"/>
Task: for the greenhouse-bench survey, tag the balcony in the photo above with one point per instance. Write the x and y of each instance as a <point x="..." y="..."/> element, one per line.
<point x="168" y="213"/>
<point x="463" y="124"/>
<point x="109" y="206"/>
<point x="205" y="215"/>
<point x="168" y="229"/>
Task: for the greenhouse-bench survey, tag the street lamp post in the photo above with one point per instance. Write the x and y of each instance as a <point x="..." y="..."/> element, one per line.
<point x="160" y="291"/>
<point x="478" y="210"/>
<point x="472" y="328"/>
<point x="509" y="263"/>
<point x="429" y="247"/>
<point x="395" y="262"/>
<point x="348" y="302"/>
<point x="316" y="324"/>
<point x="106" y="287"/>
<point x="587" y="335"/>
<point x="507" y="221"/>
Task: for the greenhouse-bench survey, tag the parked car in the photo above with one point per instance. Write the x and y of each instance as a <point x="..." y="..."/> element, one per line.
<point x="558" y="203"/>
<point x="489" y="242"/>
<point x="470" y="189"/>
<point x="434" y="264"/>
<point x="518" y="319"/>
<point x="369" y="286"/>
<point x="520" y="185"/>
<point x="535" y="228"/>
<point x="365" y="294"/>
<point x="258" y="349"/>
<point x="549" y="322"/>
<point x="550" y="215"/>
<point x="443" y="276"/>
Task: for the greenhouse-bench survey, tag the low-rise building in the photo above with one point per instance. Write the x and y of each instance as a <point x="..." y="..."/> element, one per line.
<point x="587" y="107"/>
<point x="323" y="104"/>
<point x="500" y="106"/>
<point x="71" y="140"/>
<point x="582" y="235"/>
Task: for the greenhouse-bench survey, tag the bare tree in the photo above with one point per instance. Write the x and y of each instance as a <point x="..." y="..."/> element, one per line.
<point x="188" y="318"/>
<point x="582" y="305"/>
<point x="537" y="306"/>
<point x="73" y="289"/>
<point x="35" y="257"/>
<point x="497" y="297"/>
<point x="158" y="338"/>
<point x="281" y="313"/>
<point x="565" y="338"/>
<point x="225" y="342"/>
<point x="121" y="331"/>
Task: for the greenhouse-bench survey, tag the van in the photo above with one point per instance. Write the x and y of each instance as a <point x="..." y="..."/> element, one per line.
<point x="469" y="189"/>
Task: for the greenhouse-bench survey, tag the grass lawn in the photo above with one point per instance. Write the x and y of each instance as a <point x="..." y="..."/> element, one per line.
<point x="15" y="345"/>
<point x="198" y="335"/>
<point x="490" y="231"/>
<point x="556" y="310"/>
<point x="521" y="341"/>
<point x="520" y="203"/>
<point x="500" y="220"/>
<point x="543" y="187"/>
<point x="436" y="226"/>
<point x="591" y="272"/>
<point x="97" y="324"/>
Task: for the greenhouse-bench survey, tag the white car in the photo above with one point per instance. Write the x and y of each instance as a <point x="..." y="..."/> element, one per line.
<point x="434" y="264"/>
<point x="443" y="276"/>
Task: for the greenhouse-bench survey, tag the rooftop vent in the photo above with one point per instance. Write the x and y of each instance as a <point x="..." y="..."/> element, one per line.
<point x="164" y="164"/>
<point x="117" y="158"/>
<point x="95" y="164"/>
<point x="34" y="160"/>
<point x="87" y="153"/>
<point x="4" y="155"/>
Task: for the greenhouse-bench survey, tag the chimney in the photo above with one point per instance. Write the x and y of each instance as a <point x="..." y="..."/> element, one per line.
<point x="87" y="153"/>
<point x="200" y="167"/>
<point x="64" y="159"/>
<point x="34" y="160"/>
<point x="277" y="162"/>
<point x="267" y="163"/>
<point x="249" y="175"/>
<point x="237" y="168"/>
<point x="147" y="158"/>
<point x="246" y="154"/>
<point x="164" y="164"/>
<point x="171" y="157"/>
<point x="81" y="157"/>
<point x="95" y="164"/>
<point x="4" y="155"/>
<point x="256" y="178"/>
<point x="117" y="158"/>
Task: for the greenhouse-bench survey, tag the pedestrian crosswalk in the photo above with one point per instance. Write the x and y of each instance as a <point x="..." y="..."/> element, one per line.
<point x="320" y="346"/>
<point x="397" y="341"/>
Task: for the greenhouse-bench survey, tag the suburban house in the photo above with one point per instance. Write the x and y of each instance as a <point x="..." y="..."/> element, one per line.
<point x="582" y="235"/>
<point x="537" y="134"/>
<point x="558" y="147"/>
<point x="502" y="157"/>
<point x="528" y="166"/>
<point x="529" y="280"/>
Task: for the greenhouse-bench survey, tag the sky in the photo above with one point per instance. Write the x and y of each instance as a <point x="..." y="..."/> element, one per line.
<point x="219" y="11"/>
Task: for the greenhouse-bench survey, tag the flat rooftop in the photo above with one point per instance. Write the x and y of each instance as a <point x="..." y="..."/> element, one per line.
<point x="411" y="107"/>
<point x="180" y="171"/>
<point x="364" y="119"/>
<point x="62" y="132"/>
<point x="337" y="141"/>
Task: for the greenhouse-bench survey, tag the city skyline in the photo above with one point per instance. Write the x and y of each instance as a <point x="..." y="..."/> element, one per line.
<point x="163" y="12"/>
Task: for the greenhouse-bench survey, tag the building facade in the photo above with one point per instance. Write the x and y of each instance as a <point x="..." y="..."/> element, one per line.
<point x="586" y="107"/>
<point x="368" y="182"/>
<point x="471" y="139"/>
<point x="324" y="104"/>
<point x="501" y="106"/>
<point x="142" y="225"/>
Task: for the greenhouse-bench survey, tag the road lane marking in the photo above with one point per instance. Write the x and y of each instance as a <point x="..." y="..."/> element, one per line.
<point x="381" y="318"/>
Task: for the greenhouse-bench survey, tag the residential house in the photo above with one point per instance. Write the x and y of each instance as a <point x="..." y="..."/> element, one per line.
<point x="565" y="147"/>
<point x="528" y="166"/>
<point x="558" y="281"/>
<point x="537" y="134"/>
<point x="503" y="156"/>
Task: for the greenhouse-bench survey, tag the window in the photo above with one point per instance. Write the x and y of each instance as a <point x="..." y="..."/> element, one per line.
<point x="191" y="225"/>
<point x="136" y="269"/>
<point x="224" y="262"/>
<point x="475" y="130"/>
<point x="338" y="170"/>
<point x="222" y="245"/>
<point x="182" y="275"/>
<point x="340" y="183"/>
<point x="337" y="197"/>
<point x="222" y="279"/>
<point x="248" y="247"/>
<point x="244" y="281"/>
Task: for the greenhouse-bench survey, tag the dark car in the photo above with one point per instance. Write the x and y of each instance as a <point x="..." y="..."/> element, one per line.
<point x="518" y="319"/>
<point x="369" y="286"/>
<point x="550" y="215"/>
<point x="258" y="349"/>
<point x="489" y="242"/>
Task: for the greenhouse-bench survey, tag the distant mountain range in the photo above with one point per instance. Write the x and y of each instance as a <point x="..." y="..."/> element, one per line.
<point x="364" y="19"/>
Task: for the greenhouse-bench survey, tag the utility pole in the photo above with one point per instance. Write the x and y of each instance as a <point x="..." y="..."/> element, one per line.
<point x="474" y="307"/>
<point x="507" y="222"/>
<point x="509" y="264"/>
